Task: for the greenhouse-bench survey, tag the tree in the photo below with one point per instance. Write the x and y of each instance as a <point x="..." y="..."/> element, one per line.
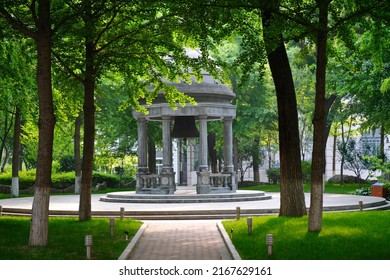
<point x="291" y="179"/>
<point x="355" y="155"/>
<point x="256" y="117"/>
<point x="16" y="83"/>
<point x="35" y="23"/>
<point x="134" y="38"/>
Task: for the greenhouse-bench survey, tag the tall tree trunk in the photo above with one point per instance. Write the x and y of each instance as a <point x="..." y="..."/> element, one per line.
<point x="235" y="153"/>
<point x="319" y="124"/>
<point x="292" y="199"/>
<point x="7" y="128"/>
<point x="382" y="154"/>
<point x="342" y="155"/>
<point x="16" y="155"/>
<point x="212" y="152"/>
<point x="89" y="118"/>
<point x="334" y="152"/>
<point x="40" y="207"/>
<point x="256" y="159"/>
<point x="77" y="154"/>
<point x="6" y="158"/>
<point x="152" y="155"/>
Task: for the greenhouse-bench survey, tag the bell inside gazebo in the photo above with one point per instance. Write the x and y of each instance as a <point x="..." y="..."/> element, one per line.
<point x="184" y="127"/>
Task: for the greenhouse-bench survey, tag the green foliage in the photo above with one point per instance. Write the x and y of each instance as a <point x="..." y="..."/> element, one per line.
<point x="273" y="174"/>
<point x="355" y="155"/>
<point x="365" y="191"/>
<point x="62" y="180"/>
<point x="26" y="179"/>
<point x="111" y="180"/>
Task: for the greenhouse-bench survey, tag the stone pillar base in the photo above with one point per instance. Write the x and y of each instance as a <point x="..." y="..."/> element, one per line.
<point x="167" y="182"/>
<point x="203" y="189"/>
<point x="233" y="181"/>
<point x="203" y="186"/>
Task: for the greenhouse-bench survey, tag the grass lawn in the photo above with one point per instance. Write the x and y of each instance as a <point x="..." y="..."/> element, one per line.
<point x="66" y="239"/>
<point x="344" y="236"/>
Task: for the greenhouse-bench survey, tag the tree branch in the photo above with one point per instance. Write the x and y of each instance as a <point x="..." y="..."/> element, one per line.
<point x="17" y="25"/>
<point x="67" y="68"/>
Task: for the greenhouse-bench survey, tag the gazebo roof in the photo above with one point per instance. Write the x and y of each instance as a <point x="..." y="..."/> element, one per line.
<point x="212" y="97"/>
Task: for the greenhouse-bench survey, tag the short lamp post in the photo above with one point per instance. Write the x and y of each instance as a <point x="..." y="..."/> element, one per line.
<point x="238" y="212"/>
<point x="88" y="245"/>
<point x="249" y="223"/>
<point x="112" y="227"/>
<point x="122" y="212"/>
<point x="270" y="243"/>
<point x="127" y="234"/>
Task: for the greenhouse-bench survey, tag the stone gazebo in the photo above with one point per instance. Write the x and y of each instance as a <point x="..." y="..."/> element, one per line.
<point x="213" y="103"/>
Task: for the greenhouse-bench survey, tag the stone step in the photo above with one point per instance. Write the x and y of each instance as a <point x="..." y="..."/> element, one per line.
<point x="184" y="197"/>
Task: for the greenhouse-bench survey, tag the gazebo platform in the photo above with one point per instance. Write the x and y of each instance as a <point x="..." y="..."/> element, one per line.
<point x="184" y="195"/>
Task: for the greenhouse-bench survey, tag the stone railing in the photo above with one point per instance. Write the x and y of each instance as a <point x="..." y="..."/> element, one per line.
<point x="150" y="181"/>
<point x="219" y="180"/>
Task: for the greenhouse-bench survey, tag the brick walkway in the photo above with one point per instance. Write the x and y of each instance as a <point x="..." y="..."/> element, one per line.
<point x="181" y="240"/>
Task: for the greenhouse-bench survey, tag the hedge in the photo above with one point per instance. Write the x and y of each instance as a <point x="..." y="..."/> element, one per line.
<point x="59" y="180"/>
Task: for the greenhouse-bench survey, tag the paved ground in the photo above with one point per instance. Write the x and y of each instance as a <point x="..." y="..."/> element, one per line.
<point x="71" y="202"/>
<point x="180" y="240"/>
<point x="184" y="240"/>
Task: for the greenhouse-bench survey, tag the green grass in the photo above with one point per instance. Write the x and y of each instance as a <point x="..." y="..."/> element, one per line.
<point x="329" y="188"/>
<point x="344" y="236"/>
<point x="66" y="239"/>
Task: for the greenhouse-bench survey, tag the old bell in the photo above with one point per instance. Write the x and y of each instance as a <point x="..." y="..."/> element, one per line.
<point x="184" y="127"/>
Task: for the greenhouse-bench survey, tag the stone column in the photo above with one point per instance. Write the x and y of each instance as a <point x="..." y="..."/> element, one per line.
<point x="203" y="180"/>
<point x="228" y="143"/>
<point x="167" y="183"/>
<point x="167" y="144"/>
<point x="142" y="151"/>
<point x="203" y="143"/>
<point x="228" y="151"/>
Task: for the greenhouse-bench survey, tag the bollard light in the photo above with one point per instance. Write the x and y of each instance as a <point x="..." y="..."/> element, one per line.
<point x="127" y="234"/>
<point x="238" y="212"/>
<point x="1" y="210"/>
<point x="361" y="205"/>
<point x="112" y="226"/>
<point x="231" y="233"/>
<point x="122" y="212"/>
<point x="270" y="243"/>
<point x="88" y="245"/>
<point x="249" y="223"/>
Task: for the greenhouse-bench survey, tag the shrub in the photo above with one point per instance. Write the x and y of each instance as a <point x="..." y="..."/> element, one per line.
<point x="67" y="164"/>
<point x="363" y="191"/>
<point x="273" y="174"/>
<point x="26" y="179"/>
<point x="60" y="181"/>
<point x="111" y="180"/>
